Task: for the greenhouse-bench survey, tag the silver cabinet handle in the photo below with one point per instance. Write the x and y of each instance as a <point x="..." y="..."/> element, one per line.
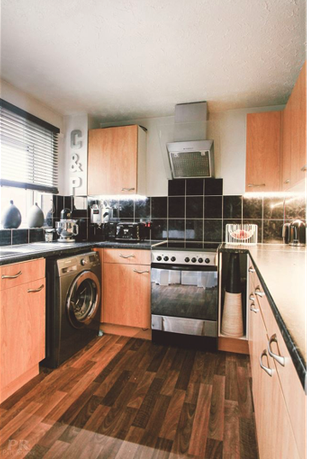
<point x="268" y="370"/>
<point x="303" y="169"/>
<point x="253" y="309"/>
<point x="127" y="256"/>
<point x="278" y="358"/>
<point x="13" y="276"/>
<point x="256" y="184"/>
<point x="128" y="189"/>
<point x="140" y="272"/>
<point x="251" y="297"/>
<point x="258" y="292"/>
<point x="35" y="290"/>
<point x="251" y="270"/>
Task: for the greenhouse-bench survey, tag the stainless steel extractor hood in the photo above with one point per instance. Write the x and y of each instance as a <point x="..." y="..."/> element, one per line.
<point x="191" y="155"/>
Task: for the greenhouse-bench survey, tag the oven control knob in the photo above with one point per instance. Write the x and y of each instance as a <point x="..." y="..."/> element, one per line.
<point x="159" y="258"/>
<point x="193" y="260"/>
<point x="83" y="262"/>
<point x="207" y="260"/>
<point x="165" y="258"/>
<point x="187" y="259"/>
<point x="173" y="259"/>
<point x="200" y="260"/>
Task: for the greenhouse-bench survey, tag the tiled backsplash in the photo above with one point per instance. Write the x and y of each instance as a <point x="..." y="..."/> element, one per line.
<point x="195" y="210"/>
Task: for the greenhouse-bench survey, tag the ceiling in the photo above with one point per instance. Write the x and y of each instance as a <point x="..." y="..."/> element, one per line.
<point x="121" y="59"/>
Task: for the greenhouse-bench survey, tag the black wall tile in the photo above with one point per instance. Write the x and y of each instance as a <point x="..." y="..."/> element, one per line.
<point x="5" y="237"/>
<point x="176" y="207"/>
<point x="213" y="207"/>
<point x="159" y="230"/>
<point x="272" y="231"/>
<point x="213" y="230"/>
<point x="126" y="209"/>
<point x="58" y="205"/>
<point x="273" y="208"/>
<point x="194" y="230"/>
<point x="142" y="209"/>
<point x="176" y="187"/>
<point x="176" y="229"/>
<point x="20" y="236"/>
<point x="232" y="207"/>
<point x="36" y="235"/>
<point x="252" y="207"/>
<point x="194" y="207"/>
<point x="158" y="207"/>
<point x="213" y="186"/>
<point x="195" y="187"/>
<point x="68" y="202"/>
<point x="295" y="208"/>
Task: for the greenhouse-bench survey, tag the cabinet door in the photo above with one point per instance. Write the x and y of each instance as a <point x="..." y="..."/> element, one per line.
<point x="286" y="179"/>
<point x="298" y="101"/>
<point x="112" y="160"/>
<point x="263" y="151"/>
<point x="126" y="295"/>
<point x="22" y="341"/>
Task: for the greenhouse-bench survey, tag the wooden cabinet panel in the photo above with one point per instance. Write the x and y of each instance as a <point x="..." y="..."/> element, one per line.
<point x="126" y="295"/>
<point x="263" y="151"/>
<point x="292" y="389"/>
<point x="19" y="273"/>
<point x="286" y="179"/>
<point x="127" y="256"/>
<point x="22" y="327"/>
<point x="298" y="100"/>
<point x="114" y="158"/>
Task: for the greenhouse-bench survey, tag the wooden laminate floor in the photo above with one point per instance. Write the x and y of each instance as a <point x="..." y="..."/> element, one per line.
<point x="129" y="398"/>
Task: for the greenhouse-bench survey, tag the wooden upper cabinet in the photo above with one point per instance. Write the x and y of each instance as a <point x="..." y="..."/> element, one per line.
<point x="297" y="101"/>
<point x="286" y="169"/>
<point x="263" y="151"/>
<point x="117" y="161"/>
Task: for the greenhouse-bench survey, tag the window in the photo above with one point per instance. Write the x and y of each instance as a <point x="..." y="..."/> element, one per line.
<point x="29" y="150"/>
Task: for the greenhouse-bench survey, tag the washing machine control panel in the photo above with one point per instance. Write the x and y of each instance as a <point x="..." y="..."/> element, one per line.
<point x="78" y="263"/>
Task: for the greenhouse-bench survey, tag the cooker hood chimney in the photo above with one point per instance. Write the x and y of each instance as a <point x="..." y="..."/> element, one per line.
<point x="191" y="155"/>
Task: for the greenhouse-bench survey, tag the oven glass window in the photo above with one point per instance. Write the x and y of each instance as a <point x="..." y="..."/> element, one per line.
<point x="190" y="294"/>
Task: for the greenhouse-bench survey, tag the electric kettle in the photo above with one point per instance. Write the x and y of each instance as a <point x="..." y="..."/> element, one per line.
<point x="294" y="233"/>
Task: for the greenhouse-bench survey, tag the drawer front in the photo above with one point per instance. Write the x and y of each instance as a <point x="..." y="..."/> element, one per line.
<point x="292" y="389"/>
<point x="20" y="273"/>
<point x="127" y="256"/>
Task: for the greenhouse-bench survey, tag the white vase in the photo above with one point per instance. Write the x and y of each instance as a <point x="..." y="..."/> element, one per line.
<point x="35" y="217"/>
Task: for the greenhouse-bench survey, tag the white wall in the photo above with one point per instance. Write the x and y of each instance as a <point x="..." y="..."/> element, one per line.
<point x="31" y="105"/>
<point x="227" y="129"/>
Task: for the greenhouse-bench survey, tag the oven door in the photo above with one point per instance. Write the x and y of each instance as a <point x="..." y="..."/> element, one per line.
<point x="184" y="299"/>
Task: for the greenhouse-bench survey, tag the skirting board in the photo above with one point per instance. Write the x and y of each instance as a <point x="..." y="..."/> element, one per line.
<point x="121" y="330"/>
<point x="239" y="346"/>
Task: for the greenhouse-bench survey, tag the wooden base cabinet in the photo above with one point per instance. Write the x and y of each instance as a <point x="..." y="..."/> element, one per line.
<point x="22" y="324"/>
<point x="126" y="288"/>
<point x="278" y="435"/>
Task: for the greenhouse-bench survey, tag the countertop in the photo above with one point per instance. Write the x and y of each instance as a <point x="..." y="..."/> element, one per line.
<point x="282" y="271"/>
<point x="24" y="252"/>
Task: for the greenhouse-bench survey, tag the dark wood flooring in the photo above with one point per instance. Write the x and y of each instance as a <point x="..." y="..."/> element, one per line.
<point x="129" y="398"/>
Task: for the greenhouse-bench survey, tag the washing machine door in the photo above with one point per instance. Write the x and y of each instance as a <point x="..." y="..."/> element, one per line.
<point x="83" y="299"/>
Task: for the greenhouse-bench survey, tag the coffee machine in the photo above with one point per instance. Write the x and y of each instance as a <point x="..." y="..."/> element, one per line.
<point x="67" y="228"/>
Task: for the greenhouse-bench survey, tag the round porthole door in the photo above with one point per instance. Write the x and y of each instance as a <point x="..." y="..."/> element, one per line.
<point x="83" y="300"/>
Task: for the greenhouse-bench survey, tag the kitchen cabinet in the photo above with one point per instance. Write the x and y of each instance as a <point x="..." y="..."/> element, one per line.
<point x="279" y="399"/>
<point x="298" y="100"/>
<point x="22" y="325"/>
<point x="117" y="161"/>
<point x="126" y="288"/>
<point x="263" y="151"/>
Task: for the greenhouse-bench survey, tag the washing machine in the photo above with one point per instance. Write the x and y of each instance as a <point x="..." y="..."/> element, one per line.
<point x="73" y="297"/>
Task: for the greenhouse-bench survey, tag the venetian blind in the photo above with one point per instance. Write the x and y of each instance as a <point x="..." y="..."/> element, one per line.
<point x="29" y="150"/>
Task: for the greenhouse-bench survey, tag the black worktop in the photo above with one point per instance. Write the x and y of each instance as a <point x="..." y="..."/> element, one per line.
<point x="24" y="252"/>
